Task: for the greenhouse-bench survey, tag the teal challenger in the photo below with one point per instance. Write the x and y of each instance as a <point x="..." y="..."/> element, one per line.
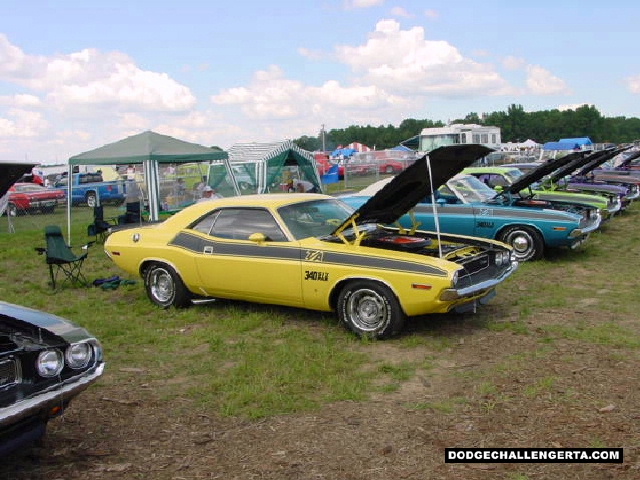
<point x="465" y="205"/>
<point x="512" y="182"/>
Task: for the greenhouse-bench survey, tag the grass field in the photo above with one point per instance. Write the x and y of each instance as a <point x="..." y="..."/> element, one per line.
<point x="551" y="361"/>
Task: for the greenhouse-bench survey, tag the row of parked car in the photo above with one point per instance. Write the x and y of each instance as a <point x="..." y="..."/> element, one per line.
<point x="532" y="207"/>
<point x="439" y="237"/>
<point x="28" y="197"/>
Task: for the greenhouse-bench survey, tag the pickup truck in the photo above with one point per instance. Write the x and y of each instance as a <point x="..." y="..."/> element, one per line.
<point x="86" y="188"/>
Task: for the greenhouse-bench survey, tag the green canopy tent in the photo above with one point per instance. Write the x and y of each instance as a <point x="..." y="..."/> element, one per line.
<point x="149" y="149"/>
<point x="261" y="167"/>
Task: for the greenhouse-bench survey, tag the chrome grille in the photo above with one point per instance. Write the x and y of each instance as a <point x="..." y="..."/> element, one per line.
<point x="8" y="373"/>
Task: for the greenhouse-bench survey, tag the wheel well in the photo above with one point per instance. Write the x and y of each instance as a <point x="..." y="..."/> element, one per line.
<point x="337" y="288"/>
<point x="519" y="225"/>
<point x="144" y="266"/>
<point x="148" y="264"/>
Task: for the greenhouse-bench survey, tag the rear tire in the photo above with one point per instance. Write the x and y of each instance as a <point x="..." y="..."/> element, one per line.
<point x="526" y="242"/>
<point x="165" y="287"/>
<point x="370" y="310"/>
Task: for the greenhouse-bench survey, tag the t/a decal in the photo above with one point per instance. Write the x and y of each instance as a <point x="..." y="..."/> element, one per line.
<point x="314" y="256"/>
<point x="313" y="275"/>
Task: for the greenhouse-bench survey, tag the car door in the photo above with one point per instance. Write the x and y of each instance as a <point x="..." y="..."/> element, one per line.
<point x="231" y="265"/>
<point x="453" y="215"/>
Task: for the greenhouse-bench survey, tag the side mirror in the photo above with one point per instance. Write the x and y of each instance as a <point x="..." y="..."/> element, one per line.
<point x="499" y="188"/>
<point x="258" y="237"/>
<point x="441" y="201"/>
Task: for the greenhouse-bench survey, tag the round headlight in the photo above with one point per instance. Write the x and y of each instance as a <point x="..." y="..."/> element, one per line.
<point x="78" y="355"/>
<point x="49" y="363"/>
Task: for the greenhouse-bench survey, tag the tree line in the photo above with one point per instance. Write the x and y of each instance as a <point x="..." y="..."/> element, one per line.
<point x="516" y="126"/>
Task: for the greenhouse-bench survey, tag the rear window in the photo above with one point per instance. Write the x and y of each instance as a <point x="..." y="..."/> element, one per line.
<point x="91" y="178"/>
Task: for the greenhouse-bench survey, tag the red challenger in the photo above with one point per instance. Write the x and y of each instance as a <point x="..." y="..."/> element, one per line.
<point x="31" y="197"/>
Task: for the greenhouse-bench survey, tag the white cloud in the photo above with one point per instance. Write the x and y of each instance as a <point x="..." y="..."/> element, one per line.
<point x="542" y="82"/>
<point x="574" y="106"/>
<point x="633" y="84"/>
<point x="432" y="14"/>
<point x="22" y="123"/>
<point x="272" y="95"/>
<point x="362" y="3"/>
<point x="514" y="63"/>
<point x="400" y="12"/>
<point x="403" y="61"/>
<point x="312" y="54"/>
<point x="20" y="100"/>
<point x="91" y="77"/>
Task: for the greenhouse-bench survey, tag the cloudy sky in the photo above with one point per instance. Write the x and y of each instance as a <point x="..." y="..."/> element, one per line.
<point x="76" y="74"/>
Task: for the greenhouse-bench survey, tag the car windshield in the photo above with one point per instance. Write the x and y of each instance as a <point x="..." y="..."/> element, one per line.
<point x="315" y="218"/>
<point x="29" y="188"/>
<point x="469" y="189"/>
<point x="513" y="175"/>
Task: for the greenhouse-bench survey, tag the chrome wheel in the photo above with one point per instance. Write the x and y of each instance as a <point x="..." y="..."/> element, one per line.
<point x="370" y="309"/>
<point x="526" y="243"/>
<point x="165" y="287"/>
<point x="161" y="286"/>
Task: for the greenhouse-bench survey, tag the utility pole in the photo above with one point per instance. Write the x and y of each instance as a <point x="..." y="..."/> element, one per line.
<point x="322" y="133"/>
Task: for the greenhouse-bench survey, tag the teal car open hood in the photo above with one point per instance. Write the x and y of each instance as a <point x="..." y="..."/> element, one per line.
<point x="416" y="182"/>
<point x="577" y="163"/>
<point x="600" y="159"/>
<point x="538" y="173"/>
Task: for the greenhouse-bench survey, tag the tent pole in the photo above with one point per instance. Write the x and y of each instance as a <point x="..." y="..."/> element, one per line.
<point x="69" y="197"/>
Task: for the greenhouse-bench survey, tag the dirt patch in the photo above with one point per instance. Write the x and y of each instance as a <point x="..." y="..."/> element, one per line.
<point x="484" y="388"/>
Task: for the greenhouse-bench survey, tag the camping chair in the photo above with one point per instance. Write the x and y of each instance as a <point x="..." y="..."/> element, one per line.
<point x="100" y="227"/>
<point x="132" y="214"/>
<point x="60" y="257"/>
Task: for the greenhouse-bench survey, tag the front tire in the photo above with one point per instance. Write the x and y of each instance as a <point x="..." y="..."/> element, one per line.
<point x="165" y="287"/>
<point x="370" y="310"/>
<point x="526" y="242"/>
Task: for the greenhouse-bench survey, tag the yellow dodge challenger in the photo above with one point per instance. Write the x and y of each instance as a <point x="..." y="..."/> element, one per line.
<point x="313" y="251"/>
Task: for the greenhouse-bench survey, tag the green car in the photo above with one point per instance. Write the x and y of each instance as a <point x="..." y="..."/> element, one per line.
<point x="511" y="181"/>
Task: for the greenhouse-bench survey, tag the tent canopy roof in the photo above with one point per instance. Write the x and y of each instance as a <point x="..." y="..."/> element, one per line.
<point x="147" y="146"/>
<point x="264" y="152"/>
<point x="274" y="157"/>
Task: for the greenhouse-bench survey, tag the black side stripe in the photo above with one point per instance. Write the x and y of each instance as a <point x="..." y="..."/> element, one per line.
<point x="197" y="244"/>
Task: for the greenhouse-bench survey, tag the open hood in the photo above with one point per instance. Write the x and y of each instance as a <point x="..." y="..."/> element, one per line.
<point x="581" y="162"/>
<point x="627" y="159"/>
<point x="10" y="173"/>
<point x="539" y="173"/>
<point x="599" y="160"/>
<point x="414" y="184"/>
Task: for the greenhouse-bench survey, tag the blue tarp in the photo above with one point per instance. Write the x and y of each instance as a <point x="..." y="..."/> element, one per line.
<point x="345" y="152"/>
<point x="332" y="176"/>
<point x="561" y="146"/>
<point x="577" y="141"/>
